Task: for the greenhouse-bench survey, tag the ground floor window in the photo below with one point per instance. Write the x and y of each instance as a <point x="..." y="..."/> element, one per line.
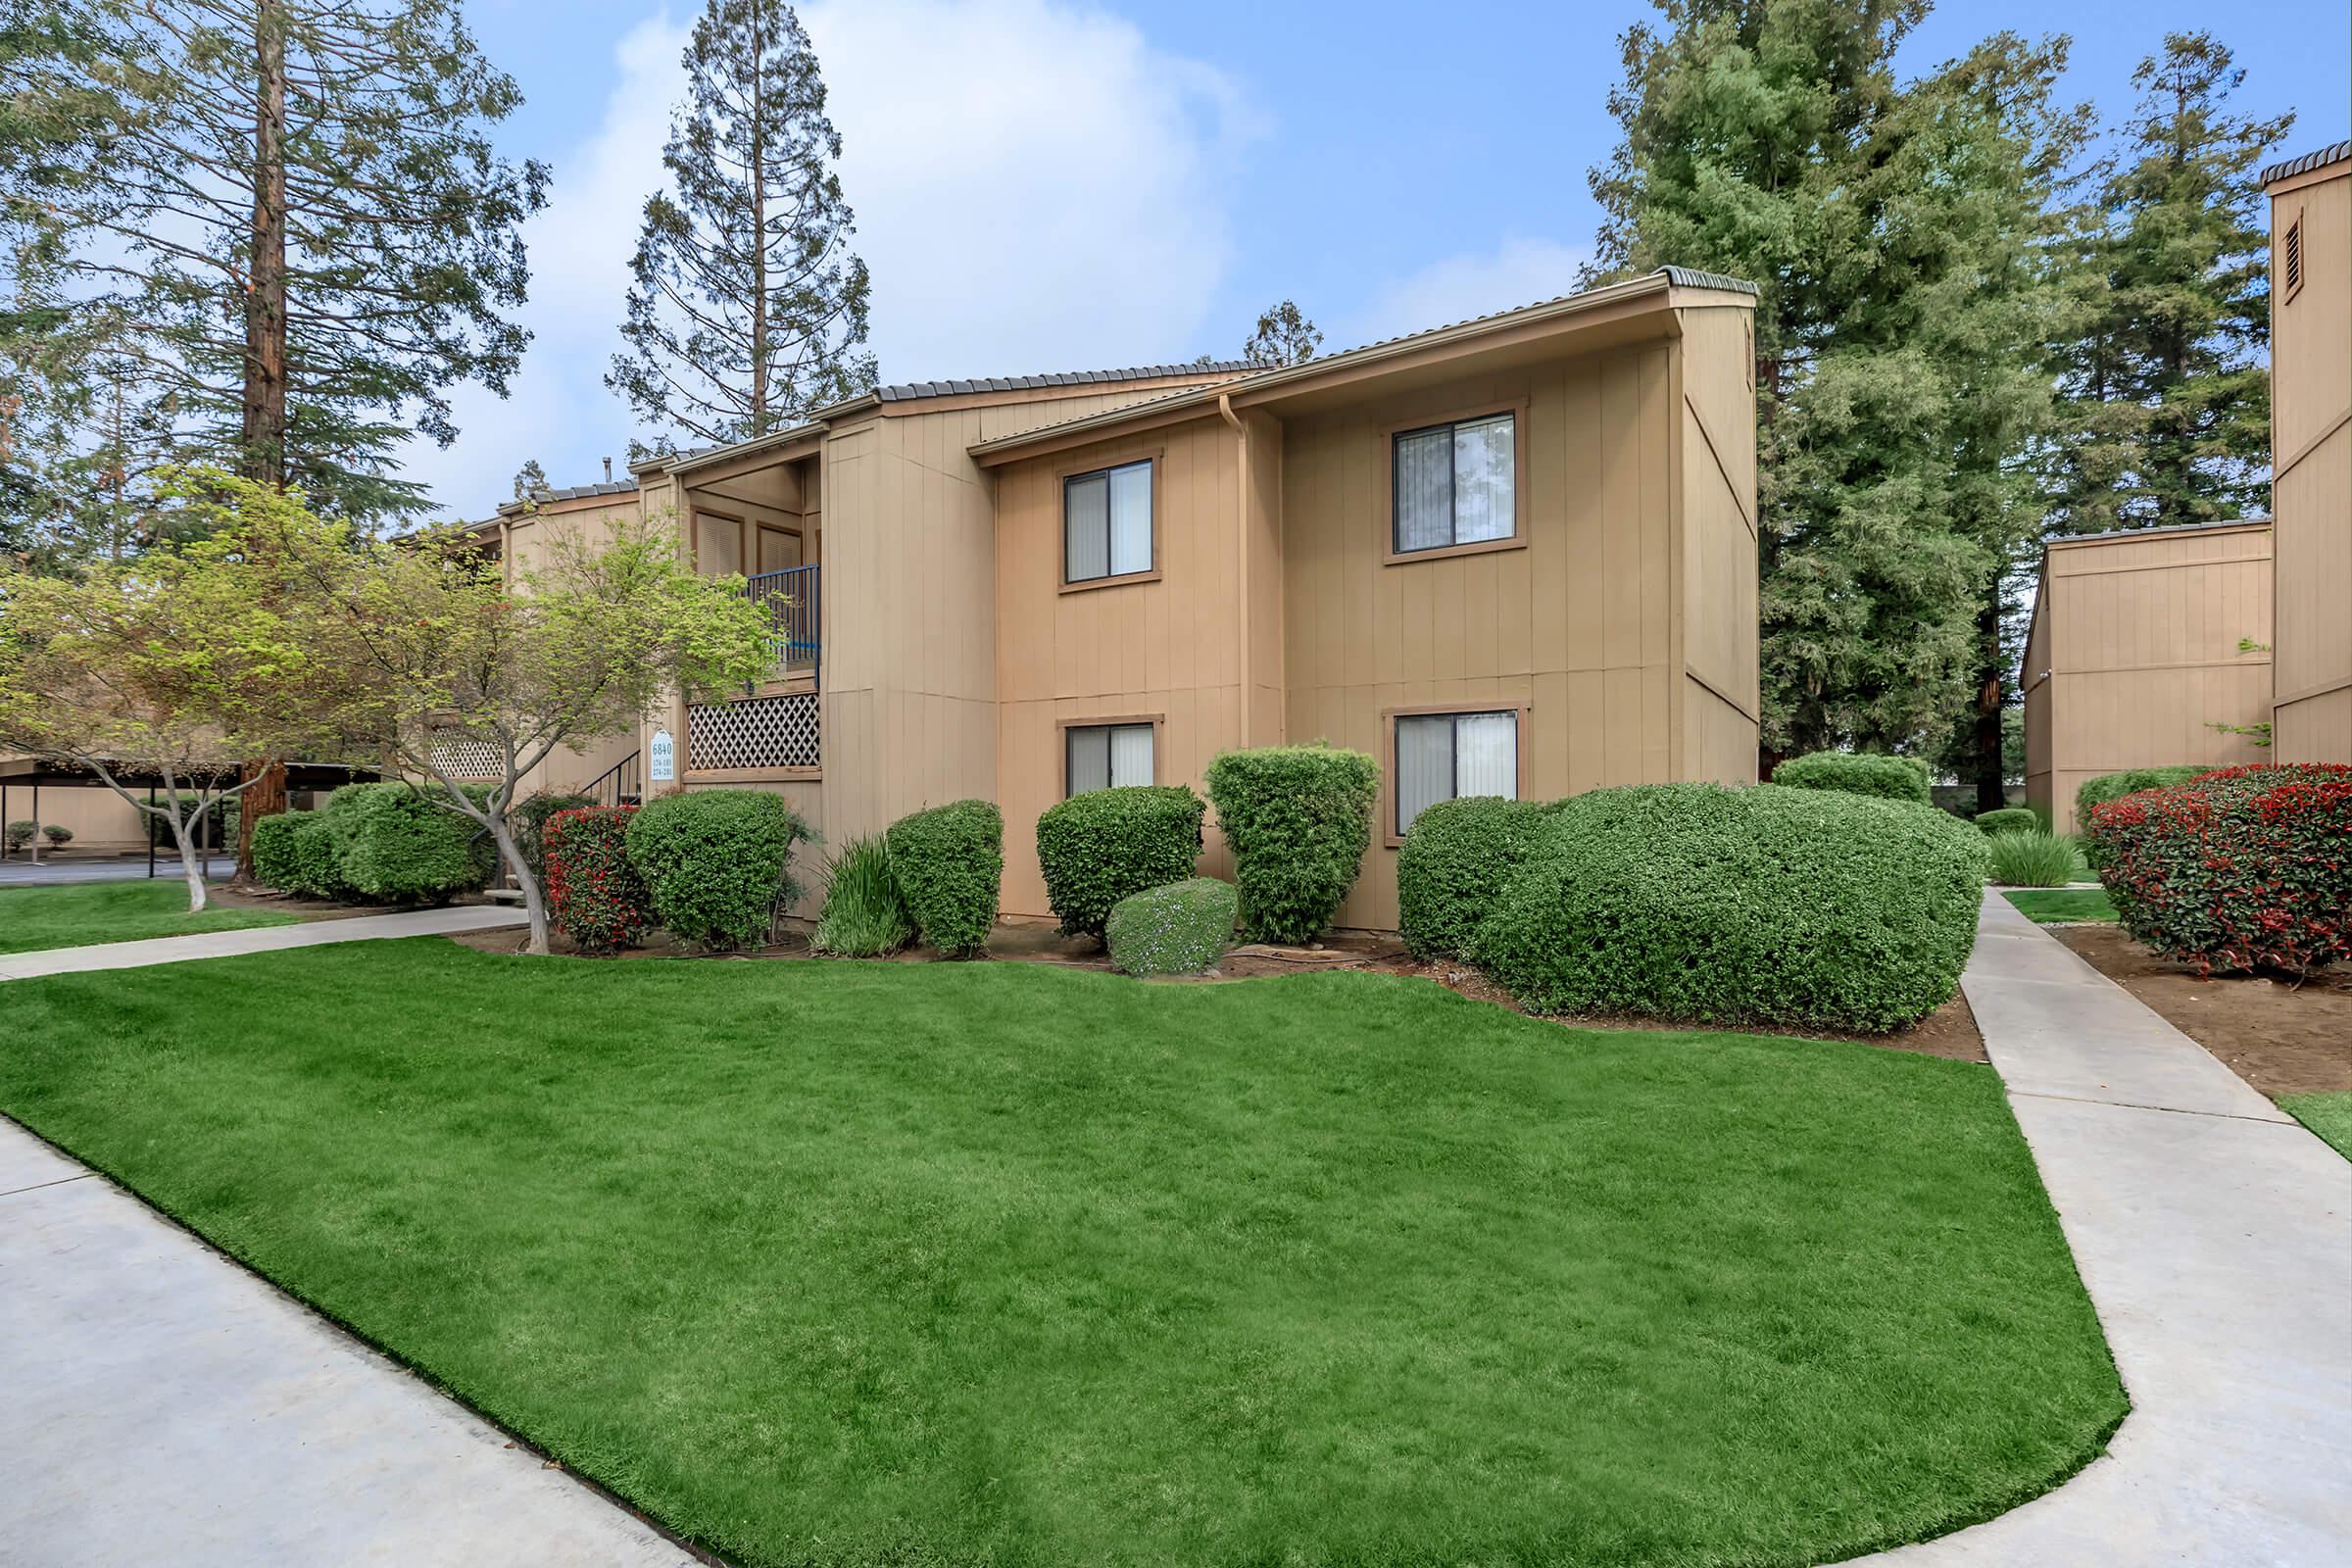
<point x="1103" y="756"/>
<point x="1441" y="756"/>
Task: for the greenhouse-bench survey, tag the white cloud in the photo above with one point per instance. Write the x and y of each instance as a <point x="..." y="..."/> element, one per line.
<point x="1518" y="272"/>
<point x="1037" y="187"/>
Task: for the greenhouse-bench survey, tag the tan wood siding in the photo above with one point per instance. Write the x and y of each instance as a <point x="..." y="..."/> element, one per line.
<point x="2143" y="655"/>
<point x="1718" y="548"/>
<point x="2311" y="400"/>
<point x="1169" y="647"/>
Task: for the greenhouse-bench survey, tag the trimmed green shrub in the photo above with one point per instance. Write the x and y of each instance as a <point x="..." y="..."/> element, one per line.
<point x="1104" y="845"/>
<point x="948" y="862"/>
<point x="400" y="844"/>
<point x="528" y="822"/>
<point x="2029" y="858"/>
<point x="1298" y="819"/>
<point x="275" y="862"/>
<point x="863" y="917"/>
<point x="2011" y="819"/>
<point x="2240" y="869"/>
<point x="1455" y="862"/>
<point x="317" y="857"/>
<point x="1691" y="901"/>
<point x="1181" y="929"/>
<point x="594" y="894"/>
<point x="1889" y="778"/>
<point x="717" y="862"/>
<point x="21" y="833"/>
<point x="58" y="834"/>
<point x="2096" y="792"/>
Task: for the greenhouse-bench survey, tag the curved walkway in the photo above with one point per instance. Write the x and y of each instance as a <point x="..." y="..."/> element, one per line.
<point x="2215" y="1235"/>
<point x="255" y="939"/>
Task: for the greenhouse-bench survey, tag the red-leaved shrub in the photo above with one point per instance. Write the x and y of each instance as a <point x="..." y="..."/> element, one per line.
<point x="596" y="896"/>
<point x="2241" y="869"/>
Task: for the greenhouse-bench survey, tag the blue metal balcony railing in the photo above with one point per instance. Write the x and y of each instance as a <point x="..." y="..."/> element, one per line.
<point x="792" y="596"/>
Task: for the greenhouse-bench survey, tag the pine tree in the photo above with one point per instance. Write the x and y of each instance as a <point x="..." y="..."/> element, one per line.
<point x="2166" y="412"/>
<point x="1895" y="234"/>
<point x="529" y="479"/>
<point x="748" y="308"/>
<point x="1283" y="336"/>
<point x="295" y="226"/>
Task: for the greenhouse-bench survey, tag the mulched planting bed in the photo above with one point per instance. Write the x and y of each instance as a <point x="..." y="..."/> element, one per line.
<point x="2281" y="1038"/>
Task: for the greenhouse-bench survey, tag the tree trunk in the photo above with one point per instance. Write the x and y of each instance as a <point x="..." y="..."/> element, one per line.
<point x="191" y="861"/>
<point x="264" y="798"/>
<point x="263" y="455"/>
<point x="759" y="220"/>
<point x="1992" y="785"/>
<point x="532" y="903"/>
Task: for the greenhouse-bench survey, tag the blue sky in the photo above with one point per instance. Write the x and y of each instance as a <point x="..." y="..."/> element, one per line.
<point x="1061" y="185"/>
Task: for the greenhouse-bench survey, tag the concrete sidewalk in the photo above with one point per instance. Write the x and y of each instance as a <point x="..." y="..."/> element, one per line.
<point x="255" y="939"/>
<point x="165" y="1406"/>
<point x="2215" y="1235"/>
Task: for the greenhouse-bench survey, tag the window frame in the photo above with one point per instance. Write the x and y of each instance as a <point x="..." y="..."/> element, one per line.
<point x="1516" y="539"/>
<point x="1087" y="468"/>
<point x="1462" y="708"/>
<point x="1155" y="722"/>
<point x="2291" y="239"/>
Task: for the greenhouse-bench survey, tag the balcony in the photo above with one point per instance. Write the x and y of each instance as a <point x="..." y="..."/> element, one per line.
<point x="792" y="596"/>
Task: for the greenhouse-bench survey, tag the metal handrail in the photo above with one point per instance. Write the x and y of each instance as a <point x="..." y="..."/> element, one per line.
<point x="621" y="784"/>
<point x="793" y="598"/>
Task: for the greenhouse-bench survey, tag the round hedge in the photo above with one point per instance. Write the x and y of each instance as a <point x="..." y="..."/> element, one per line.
<point x="1455" y="862"/>
<point x="1298" y="819"/>
<point x="1102" y="846"/>
<point x="716" y="862"/>
<point x="2097" y="792"/>
<point x="2239" y="868"/>
<point x="949" y="865"/>
<point x="1181" y="929"/>
<point x="398" y="844"/>
<point x="593" y="893"/>
<point x="276" y="863"/>
<point x="1700" y="904"/>
<point x="2009" y="819"/>
<point x="1888" y="778"/>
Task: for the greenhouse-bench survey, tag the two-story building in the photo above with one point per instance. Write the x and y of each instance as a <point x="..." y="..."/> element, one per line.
<point x="1514" y="556"/>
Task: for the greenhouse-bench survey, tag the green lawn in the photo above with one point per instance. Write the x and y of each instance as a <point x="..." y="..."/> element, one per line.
<point x="2045" y="906"/>
<point x="31" y="919"/>
<point x="1007" y="1263"/>
<point x="2330" y="1115"/>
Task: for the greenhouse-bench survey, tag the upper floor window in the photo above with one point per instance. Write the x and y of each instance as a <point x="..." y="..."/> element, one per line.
<point x="1455" y="483"/>
<point x="1103" y="756"/>
<point x="1106" y="522"/>
<point x="1443" y="756"/>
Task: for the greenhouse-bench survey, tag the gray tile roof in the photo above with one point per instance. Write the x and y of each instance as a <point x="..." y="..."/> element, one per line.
<point x="2101" y="535"/>
<point x="907" y="391"/>
<point x="2304" y="165"/>
<point x="610" y="487"/>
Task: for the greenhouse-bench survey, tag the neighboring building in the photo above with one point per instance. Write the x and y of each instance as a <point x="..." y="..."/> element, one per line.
<point x="2133" y="655"/>
<point x="1516" y="555"/>
<point x="2311" y="450"/>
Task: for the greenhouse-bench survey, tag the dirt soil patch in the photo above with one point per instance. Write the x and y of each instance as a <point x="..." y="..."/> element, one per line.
<point x="2281" y="1038"/>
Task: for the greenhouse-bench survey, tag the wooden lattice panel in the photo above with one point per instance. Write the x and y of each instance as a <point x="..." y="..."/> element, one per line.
<point x="762" y="732"/>
<point x="469" y="760"/>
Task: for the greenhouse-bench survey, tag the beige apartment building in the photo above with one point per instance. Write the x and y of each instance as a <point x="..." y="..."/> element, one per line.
<point x="2311" y="450"/>
<point x="1512" y="555"/>
<point x="2133" y="657"/>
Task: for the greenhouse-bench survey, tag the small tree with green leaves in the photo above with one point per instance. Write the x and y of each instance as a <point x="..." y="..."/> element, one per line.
<point x="439" y="656"/>
<point x="178" y="666"/>
<point x="1283" y="336"/>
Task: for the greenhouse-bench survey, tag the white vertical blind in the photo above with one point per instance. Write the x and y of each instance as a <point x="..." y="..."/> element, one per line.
<point x="1130" y="755"/>
<point x="1485" y="755"/>
<point x="1425" y="490"/>
<point x="1130" y="518"/>
<point x="1483" y="480"/>
<point x="1424" y="766"/>
<point x="1089" y="759"/>
<point x="1086" y="528"/>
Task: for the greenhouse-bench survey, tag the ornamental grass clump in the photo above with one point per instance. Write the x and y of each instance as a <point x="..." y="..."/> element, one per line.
<point x="1181" y="928"/>
<point x="1298" y="819"/>
<point x="2032" y="859"/>
<point x="2240" y="869"/>
<point x="1694" y="903"/>
<point x="1889" y="778"/>
<point x="718" y="863"/>
<point x="1105" y="844"/>
<point x="948" y="862"/>
<point x="594" y="895"/>
<point x="1455" y="862"/>
<point x="864" y="916"/>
